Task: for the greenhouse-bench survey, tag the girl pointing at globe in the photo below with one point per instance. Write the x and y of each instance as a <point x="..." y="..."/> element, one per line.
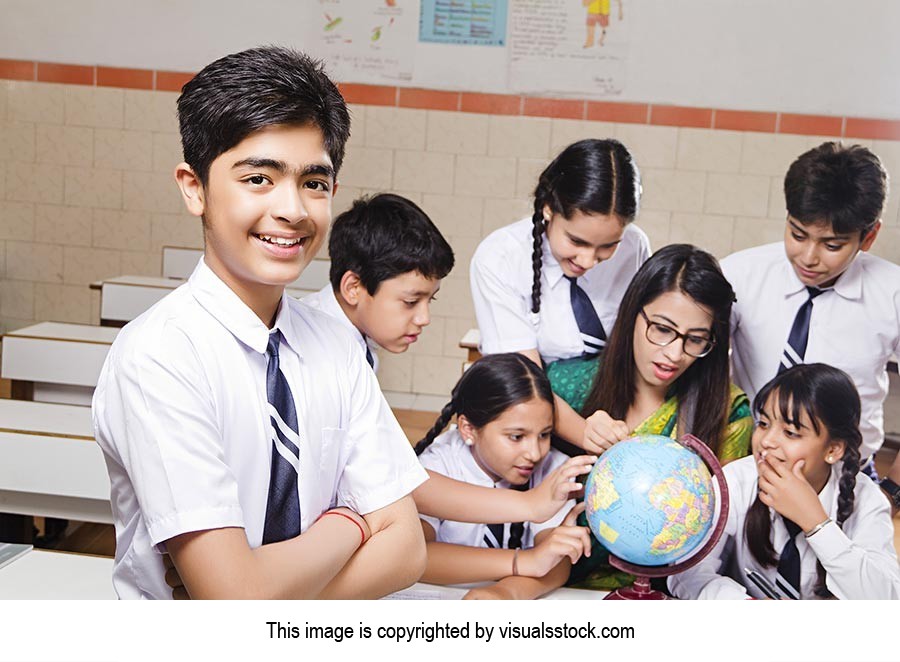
<point x="801" y="516"/>
<point x="505" y="414"/>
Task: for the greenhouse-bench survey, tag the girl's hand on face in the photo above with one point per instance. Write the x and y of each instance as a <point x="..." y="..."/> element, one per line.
<point x="558" y="487"/>
<point x="565" y="541"/>
<point x="786" y="490"/>
<point x="601" y="431"/>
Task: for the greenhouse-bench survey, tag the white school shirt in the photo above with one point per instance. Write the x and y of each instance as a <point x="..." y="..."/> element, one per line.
<point x="501" y="278"/>
<point x="180" y="412"/>
<point x="859" y="560"/>
<point x="326" y="301"/>
<point x="855" y="326"/>
<point x="448" y="455"/>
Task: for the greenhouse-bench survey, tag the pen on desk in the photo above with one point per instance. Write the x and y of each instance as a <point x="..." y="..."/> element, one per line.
<point x="763" y="584"/>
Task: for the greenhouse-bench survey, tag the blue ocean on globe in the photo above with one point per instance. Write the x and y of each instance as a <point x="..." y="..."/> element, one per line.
<point x="650" y="500"/>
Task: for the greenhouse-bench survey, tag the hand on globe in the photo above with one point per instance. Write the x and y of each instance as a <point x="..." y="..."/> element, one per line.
<point x="559" y="486"/>
<point x="601" y="431"/>
<point x="565" y="541"/>
<point x="786" y="490"/>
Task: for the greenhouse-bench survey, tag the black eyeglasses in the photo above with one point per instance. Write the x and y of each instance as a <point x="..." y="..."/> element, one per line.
<point x="662" y="335"/>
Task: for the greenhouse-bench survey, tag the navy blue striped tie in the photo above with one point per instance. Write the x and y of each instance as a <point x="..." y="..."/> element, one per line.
<point x="795" y="349"/>
<point x="283" y="505"/>
<point x="493" y="537"/>
<point x="592" y="334"/>
<point x="788" y="579"/>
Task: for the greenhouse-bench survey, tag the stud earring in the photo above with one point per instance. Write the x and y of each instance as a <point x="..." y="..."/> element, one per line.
<point x="468" y="441"/>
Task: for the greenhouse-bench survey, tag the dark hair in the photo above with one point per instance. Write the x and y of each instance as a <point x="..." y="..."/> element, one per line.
<point x="244" y="92"/>
<point x="490" y="386"/>
<point x="830" y="399"/>
<point x="704" y="389"/>
<point x="591" y="176"/>
<point x="836" y="184"/>
<point x="384" y="236"/>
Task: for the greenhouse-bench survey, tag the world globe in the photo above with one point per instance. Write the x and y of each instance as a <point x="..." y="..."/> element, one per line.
<point x="650" y="500"/>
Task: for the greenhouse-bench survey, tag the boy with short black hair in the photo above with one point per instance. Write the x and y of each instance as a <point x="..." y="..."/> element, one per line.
<point x="820" y="296"/>
<point x="243" y="432"/>
<point x="387" y="262"/>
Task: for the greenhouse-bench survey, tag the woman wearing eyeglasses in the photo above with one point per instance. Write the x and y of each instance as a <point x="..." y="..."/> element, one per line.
<point x="665" y="369"/>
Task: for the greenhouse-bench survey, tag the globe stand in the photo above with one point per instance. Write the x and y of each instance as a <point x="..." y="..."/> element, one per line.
<point x="641" y="590"/>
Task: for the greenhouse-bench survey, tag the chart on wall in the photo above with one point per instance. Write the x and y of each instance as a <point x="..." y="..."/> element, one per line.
<point x="366" y="41"/>
<point x="470" y="22"/>
<point x="573" y="47"/>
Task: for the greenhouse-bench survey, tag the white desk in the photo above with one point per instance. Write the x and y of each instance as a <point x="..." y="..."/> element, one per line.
<point x="44" y="575"/>
<point x="50" y="464"/>
<point x="58" y="576"/>
<point x="60" y="362"/>
<point x="125" y="297"/>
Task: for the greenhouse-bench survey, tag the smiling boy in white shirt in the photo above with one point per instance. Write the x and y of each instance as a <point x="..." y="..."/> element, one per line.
<point x="232" y="417"/>
<point x="835" y="196"/>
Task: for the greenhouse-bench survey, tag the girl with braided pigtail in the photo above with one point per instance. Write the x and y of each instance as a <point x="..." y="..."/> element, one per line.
<point x="801" y="514"/>
<point x="549" y="286"/>
<point x="504" y="411"/>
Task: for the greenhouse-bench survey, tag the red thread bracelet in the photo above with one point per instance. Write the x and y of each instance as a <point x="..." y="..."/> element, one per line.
<point x="362" y="534"/>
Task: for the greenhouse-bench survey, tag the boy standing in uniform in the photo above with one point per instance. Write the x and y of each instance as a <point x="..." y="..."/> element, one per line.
<point x="820" y="296"/>
<point x="243" y="431"/>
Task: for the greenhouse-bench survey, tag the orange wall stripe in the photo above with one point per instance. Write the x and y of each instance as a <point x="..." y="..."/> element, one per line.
<point x="17" y="70"/>
<point x="862" y="128"/>
<point x="700" y="118"/>
<point x="492" y="104"/>
<point x="610" y="111"/>
<point x="70" y="74"/>
<point x="134" y="79"/>
<point x="810" y="125"/>
<point x="415" y="97"/>
<point x="171" y="81"/>
<point x="743" y="120"/>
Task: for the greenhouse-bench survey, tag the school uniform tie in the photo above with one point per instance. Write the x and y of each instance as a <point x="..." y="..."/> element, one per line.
<point x="592" y="333"/>
<point x="493" y="537"/>
<point x="369" y="358"/>
<point x="283" y="505"/>
<point x="795" y="349"/>
<point x="788" y="579"/>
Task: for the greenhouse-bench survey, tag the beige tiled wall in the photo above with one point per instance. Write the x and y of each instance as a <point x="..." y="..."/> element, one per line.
<point x="86" y="192"/>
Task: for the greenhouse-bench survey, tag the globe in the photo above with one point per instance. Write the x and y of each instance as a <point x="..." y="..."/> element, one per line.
<point x="650" y="500"/>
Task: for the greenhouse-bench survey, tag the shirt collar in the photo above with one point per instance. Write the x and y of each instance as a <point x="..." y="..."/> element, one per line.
<point x="550" y="266"/>
<point x="329" y="304"/>
<point x="848" y="285"/>
<point x="222" y="303"/>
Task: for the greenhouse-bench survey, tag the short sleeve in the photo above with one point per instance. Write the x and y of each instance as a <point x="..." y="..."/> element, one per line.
<point x="435" y="462"/>
<point x="503" y="312"/>
<point x="155" y="408"/>
<point x="381" y="466"/>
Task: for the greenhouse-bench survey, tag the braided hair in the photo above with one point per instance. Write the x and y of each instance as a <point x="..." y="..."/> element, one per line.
<point x="490" y="386"/>
<point x="830" y="400"/>
<point x="590" y="176"/>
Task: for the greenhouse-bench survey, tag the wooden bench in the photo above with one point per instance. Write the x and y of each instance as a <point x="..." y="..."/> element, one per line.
<point x="55" y="361"/>
<point x="50" y="464"/>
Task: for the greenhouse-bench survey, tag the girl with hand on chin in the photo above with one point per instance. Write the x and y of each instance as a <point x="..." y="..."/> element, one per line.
<point x="801" y="514"/>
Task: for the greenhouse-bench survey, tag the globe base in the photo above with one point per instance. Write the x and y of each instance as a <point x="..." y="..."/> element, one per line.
<point x="640" y="590"/>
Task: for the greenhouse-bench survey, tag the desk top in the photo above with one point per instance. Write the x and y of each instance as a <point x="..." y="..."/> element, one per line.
<point x="67" y="332"/>
<point x="47" y="419"/>
<point x="44" y="575"/>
